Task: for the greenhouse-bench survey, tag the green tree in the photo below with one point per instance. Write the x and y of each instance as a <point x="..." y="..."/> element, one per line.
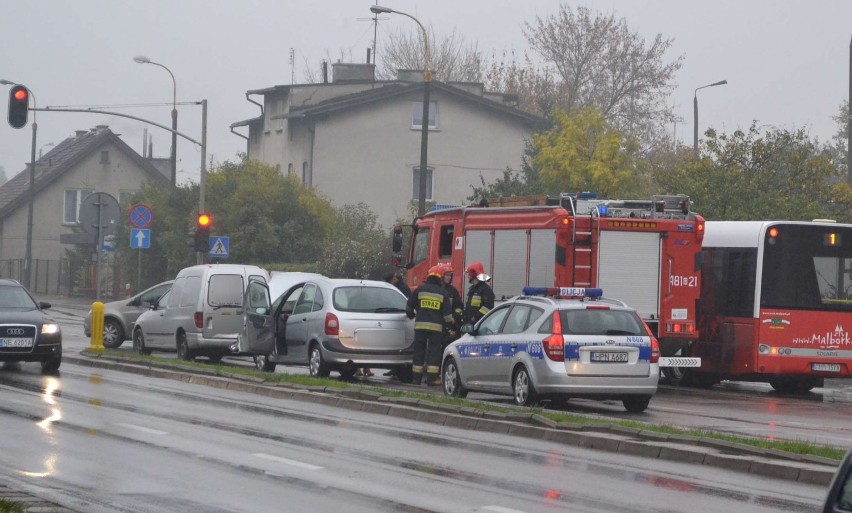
<point x="525" y="182"/>
<point x="779" y="174"/>
<point x="583" y="153"/>
<point x="358" y="247"/>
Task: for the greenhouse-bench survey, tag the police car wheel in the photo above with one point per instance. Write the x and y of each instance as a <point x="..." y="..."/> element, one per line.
<point x="452" y="380"/>
<point x="636" y="403"/>
<point x="523" y="388"/>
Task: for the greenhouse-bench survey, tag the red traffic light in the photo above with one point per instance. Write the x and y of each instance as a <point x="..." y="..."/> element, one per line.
<point x="205" y="220"/>
<point x="18" y="106"/>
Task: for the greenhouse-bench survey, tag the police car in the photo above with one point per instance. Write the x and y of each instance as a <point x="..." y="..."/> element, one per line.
<point x="555" y="344"/>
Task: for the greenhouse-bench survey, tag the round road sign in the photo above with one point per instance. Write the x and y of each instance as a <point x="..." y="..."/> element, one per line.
<point x="141" y="216"/>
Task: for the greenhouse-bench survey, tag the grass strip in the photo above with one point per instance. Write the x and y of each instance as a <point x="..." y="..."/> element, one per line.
<point x="800" y="447"/>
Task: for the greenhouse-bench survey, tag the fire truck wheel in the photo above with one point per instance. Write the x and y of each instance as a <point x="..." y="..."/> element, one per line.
<point x="674" y="376"/>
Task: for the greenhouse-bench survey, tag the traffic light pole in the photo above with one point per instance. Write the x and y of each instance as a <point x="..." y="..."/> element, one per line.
<point x="28" y="256"/>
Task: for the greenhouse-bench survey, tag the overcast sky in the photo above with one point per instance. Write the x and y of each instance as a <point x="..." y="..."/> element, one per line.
<point x="786" y="61"/>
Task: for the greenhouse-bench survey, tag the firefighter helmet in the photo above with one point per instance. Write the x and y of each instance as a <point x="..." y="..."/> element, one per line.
<point x="448" y="268"/>
<point x="436" y="270"/>
<point x="474" y="270"/>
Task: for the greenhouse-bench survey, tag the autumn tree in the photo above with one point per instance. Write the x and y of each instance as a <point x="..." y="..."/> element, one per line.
<point x="451" y="58"/>
<point x="749" y="175"/>
<point x="582" y="152"/>
<point x="357" y="246"/>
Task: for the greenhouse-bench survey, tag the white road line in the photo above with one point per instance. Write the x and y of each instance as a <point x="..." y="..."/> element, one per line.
<point x="294" y="463"/>
<point x="501" y="509"/>
<point x="144" y="429"/>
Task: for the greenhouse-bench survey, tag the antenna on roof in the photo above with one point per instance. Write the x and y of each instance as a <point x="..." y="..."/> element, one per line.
<point x="292" y="66"/>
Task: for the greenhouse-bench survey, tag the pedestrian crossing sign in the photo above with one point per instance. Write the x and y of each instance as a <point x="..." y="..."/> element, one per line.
<point x="220" y="246"/>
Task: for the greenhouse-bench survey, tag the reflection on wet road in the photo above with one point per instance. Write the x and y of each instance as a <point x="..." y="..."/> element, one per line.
<point x="163" y="445"/>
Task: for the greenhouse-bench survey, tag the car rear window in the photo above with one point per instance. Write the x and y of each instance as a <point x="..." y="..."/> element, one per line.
<point x="368" y="299"/>
<point x="225" y="290"/>
<point x="601" y="322"/>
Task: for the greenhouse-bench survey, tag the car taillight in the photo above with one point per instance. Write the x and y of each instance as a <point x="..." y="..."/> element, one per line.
<point x="332" y="326"/>
<point x="554" y="345"/>
<point x="199" y="320"/>
<point x="655" y="345"/>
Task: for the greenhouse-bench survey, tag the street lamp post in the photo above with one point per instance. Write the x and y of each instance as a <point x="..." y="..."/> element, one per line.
<point x="695" y="112"/>
<point x="28" y="255"/>
<point x="141" y="59"/>
<point x="424" y="129"/>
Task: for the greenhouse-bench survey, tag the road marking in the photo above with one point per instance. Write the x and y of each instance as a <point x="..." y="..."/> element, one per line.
<point x="145" y="430"/>
<point x="294" y="463"/>
<point x="501" y="509"/>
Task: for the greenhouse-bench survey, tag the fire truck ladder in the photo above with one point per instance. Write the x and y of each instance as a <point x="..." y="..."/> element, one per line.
<point x="581" y="250"/>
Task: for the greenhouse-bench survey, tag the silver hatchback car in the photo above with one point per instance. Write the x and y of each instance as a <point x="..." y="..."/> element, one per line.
<point x="575" y="344"/>
<point x="328" y="324"/>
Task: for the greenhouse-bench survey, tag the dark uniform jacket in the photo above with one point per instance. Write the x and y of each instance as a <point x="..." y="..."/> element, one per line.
<point x="429" y="306"/>
<point x="458" y="311"/>
<point x="480" y="300"/>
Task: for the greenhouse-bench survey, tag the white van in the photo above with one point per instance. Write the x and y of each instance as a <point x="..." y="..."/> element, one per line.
<point x="201" y="315"/>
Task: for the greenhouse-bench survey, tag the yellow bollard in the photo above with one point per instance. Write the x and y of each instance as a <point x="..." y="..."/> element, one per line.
<point x="97" y="343"/>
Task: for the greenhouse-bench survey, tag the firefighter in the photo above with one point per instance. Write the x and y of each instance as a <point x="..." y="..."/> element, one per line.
<point x="480" y="297"/>
<point x="430" y="307"/>
<point x="451" y="332"/>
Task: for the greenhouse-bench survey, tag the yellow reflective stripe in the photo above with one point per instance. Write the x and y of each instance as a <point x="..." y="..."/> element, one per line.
<point x="475" y="301"/>
<point x="432" y="369"/>
<point x="430" y="295"/>
<point x="417" y="369"/>
<point x="484" y="310"/>
<point x="431" y="326"/>
<point x="448" y="318"/>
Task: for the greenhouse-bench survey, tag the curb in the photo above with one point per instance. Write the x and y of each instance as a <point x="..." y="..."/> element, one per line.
<point x="730" y="456"/>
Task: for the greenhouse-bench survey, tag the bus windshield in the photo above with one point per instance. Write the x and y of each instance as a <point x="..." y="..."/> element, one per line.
<point x="807" y="267"/>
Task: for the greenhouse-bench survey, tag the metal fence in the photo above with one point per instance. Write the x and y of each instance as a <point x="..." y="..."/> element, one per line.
<point x="60" y="277"/>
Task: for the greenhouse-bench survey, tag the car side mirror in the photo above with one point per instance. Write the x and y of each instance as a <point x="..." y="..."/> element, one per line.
<point x="839" y="497"/>
<point x="43" y="305"/>
<point x="468" y="329"/>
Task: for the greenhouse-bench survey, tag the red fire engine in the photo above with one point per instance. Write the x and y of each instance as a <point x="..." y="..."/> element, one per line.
<point x="643" y="252"/>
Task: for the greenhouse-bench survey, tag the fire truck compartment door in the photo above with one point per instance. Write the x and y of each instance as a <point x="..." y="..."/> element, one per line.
<point x="629" y="270"/>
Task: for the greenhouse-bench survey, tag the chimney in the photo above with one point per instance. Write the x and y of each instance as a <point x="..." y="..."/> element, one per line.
<point x="368" y="55"/>
<point x="324" y="72"/>
<point x="409" y="75"/>
<point x="352" y="72"/>
<point x="80" y="133"/>
<point x="144" y="143"/>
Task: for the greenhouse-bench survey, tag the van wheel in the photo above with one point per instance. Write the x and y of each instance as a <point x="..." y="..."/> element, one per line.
<point x="452" y="380"/>
<point x="113" y="334"/>
<point x="183" y="350"/>
<point x="318" y="367"/>
<point x="636" y="403"/>
<point x="139" y="343"/>
<point x="262" y="363"/>
<point x="523" y="388"/>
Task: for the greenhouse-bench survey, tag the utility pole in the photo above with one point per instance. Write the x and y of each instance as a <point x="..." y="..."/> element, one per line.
<point x="849" y="123"/>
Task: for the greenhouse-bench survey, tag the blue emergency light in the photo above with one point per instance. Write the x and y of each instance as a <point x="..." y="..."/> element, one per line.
<point x="602" y="210"/>
<point x="563" y="292"/>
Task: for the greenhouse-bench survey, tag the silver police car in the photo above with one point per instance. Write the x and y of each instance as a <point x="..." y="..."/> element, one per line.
<point x="555" y="344"/>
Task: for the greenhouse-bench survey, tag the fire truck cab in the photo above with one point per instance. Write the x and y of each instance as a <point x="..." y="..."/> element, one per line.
<point x="643" y="252"/>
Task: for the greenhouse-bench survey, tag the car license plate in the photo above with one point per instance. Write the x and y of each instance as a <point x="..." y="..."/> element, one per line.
<point x="825" y="367"/>
<point x="608" y="356"/>
<point x="16" y="342"/>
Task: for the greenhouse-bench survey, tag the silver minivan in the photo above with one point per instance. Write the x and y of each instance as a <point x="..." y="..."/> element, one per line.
<point x="201" y="315"/>
<point x="329" y="325"/>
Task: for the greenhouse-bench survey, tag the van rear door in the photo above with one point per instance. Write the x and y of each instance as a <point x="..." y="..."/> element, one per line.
<point x="223" y="315"/>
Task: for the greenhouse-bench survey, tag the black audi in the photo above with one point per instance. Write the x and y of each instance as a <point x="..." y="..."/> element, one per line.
<point x="27" y="334"/>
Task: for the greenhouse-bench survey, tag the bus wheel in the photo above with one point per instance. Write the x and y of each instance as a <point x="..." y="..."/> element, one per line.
<point x="794" y="385"/>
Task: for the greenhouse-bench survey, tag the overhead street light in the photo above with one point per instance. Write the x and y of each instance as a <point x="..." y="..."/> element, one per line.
<point x="424" y="129"/>
<point x="141" y="59"/>
<point x="28" y="252"/>
<point x="695" y="112"/>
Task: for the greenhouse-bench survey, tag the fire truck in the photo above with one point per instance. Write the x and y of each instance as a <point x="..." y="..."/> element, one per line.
<point x="643" y="252"/>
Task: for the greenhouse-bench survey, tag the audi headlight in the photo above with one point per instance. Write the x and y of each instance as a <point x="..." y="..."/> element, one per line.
<point x="49" y="329"/>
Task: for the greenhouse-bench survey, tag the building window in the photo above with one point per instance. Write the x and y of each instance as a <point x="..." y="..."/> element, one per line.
<point x="307" y="179"/>
<point x="279" y="110"/>
<point x="290" y="169"/>
<point x="415" y="189"/>
<point x="73" y="199"/>
<point x="417" y="115"/>
<point x="105" y="157"/>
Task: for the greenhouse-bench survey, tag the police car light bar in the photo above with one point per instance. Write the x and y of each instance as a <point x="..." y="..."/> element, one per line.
<point x="563" y="292"/>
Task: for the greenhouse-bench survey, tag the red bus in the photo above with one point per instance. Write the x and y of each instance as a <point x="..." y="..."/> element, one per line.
<point x="776" y="304"/>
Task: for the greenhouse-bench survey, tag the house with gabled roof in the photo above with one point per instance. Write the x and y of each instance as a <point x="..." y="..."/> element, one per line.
<point x="95" y="160"/>
<point x="356" y="139"/>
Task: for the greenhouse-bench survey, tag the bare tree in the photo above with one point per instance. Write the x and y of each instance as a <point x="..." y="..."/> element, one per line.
<point x="595" y="60"/>
<point x="451" y="58"/>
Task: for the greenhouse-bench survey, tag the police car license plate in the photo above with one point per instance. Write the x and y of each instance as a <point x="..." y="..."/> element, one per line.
<point x="16" y="342"/>
<point x="825" y="367"/>
<point x="608" y="356"/>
